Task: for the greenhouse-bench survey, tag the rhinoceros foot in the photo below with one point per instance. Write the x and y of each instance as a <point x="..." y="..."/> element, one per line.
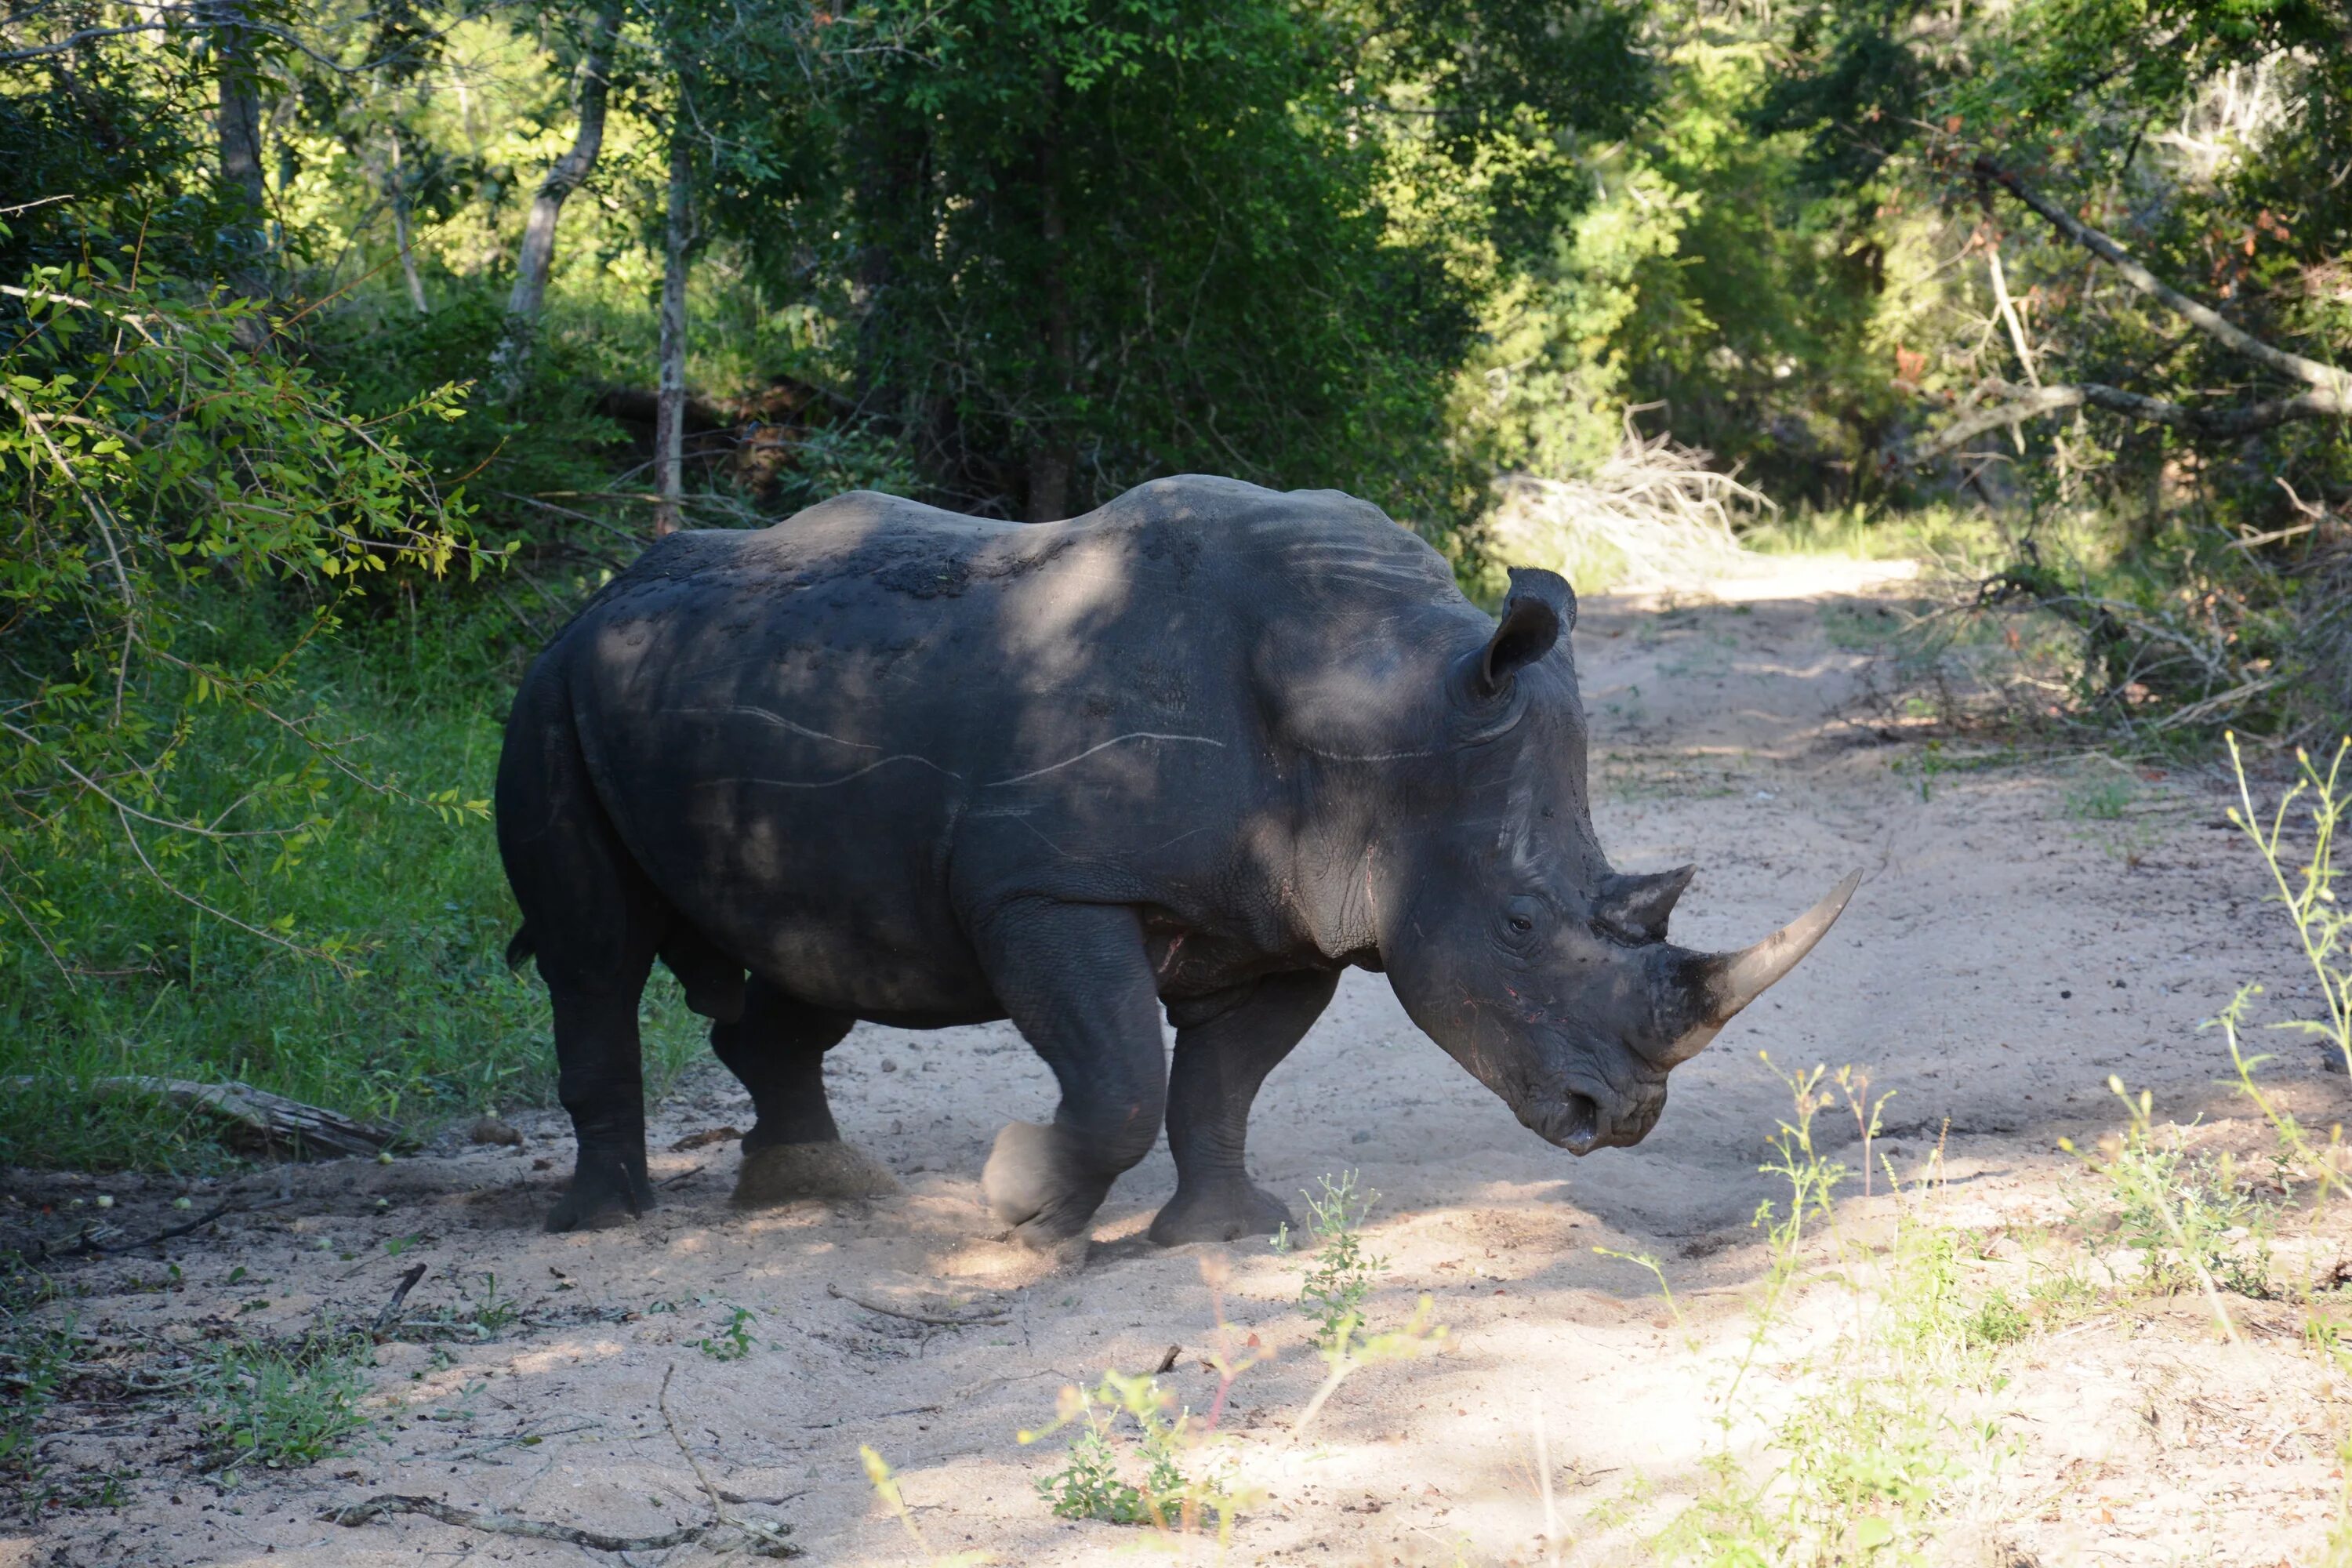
<point x="1039" y="1181"/>
<point x="786" y="1172"/>
<point x="1227" y="1211"/>
<point x="606" y="1190"/>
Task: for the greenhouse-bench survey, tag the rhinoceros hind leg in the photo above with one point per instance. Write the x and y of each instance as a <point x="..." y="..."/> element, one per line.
<point x="1226" y="1045"/>
<point x="786" y="1172"/>
<point x="599" y="1080"/>
<point x="776" y="1046"/>
<point x="604" y="1191"/>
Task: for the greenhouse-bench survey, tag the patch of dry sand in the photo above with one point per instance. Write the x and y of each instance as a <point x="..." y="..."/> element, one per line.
<point x="2000" y="960"/>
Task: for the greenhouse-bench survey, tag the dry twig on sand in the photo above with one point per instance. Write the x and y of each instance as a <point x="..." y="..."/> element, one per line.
<point x="88" y="1245"/>
<point x="938" y="1320"/>
<point x="385" y="1503"/>
<point x="762" y="1537"/>
<point x="767" y="1538"/>
<point x="384" y="1319"/>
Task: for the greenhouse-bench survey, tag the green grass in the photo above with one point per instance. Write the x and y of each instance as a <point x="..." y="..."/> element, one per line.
<point x="283" y="1406"/>
<point x="423" y="1024"/>
<point x="1875" y="533"/>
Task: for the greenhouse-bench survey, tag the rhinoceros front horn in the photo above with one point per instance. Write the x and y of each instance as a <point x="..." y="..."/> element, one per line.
<point x="1708" y="989"/>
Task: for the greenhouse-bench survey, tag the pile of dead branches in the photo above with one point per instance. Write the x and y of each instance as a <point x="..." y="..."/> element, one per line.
<point x="1654" y="511"/>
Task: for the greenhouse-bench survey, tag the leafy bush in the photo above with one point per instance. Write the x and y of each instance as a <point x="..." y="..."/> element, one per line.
<point x="155" y="470"/>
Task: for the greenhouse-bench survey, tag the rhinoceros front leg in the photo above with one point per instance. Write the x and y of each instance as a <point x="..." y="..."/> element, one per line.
<point x="1221" y="1060"/>
<point x="777" y="1048"/>
<point x="1076" y="981"/>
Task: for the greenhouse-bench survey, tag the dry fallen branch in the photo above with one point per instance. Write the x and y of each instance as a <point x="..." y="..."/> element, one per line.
<point x="2330" y="398"/>
<point x="2031" y="402"/>
<point x="391" y="1313"/>
<point x="88" y="1245"/>
<point x="385" y="1503"/>
<point x="1654" y="503"/>
<point x="940" y="1320"/>
<point x="270" y="1123"/>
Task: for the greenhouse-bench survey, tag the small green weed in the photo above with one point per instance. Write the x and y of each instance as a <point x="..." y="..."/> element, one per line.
<point x="480" y="1317"/>
<point x="2060" y="1296"/>
<point x="1338" y="1283"/>
<point x="2184" y="1213"/>
<point x="2103" y="801"/>
<point x="1997" y="1320"/>
<point x="1154" y="1433"/>
<point x="734" y="1341"/>
<point x="1857" y="1467"/>
<point x="1139" y="1458"/>
<point x="35" y="1360"/>
<point x="282" y="1407"/>
<point x="1343" y="1274"/>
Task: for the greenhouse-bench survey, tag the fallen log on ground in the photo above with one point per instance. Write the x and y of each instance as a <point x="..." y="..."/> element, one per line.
<point x="254" y="1121"/>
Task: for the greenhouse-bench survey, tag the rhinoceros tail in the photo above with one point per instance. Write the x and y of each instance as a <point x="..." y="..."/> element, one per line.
<point x="523" y="946"/>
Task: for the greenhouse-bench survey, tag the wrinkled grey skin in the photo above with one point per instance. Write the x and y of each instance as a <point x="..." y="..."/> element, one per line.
<point x="1199" y="749"/>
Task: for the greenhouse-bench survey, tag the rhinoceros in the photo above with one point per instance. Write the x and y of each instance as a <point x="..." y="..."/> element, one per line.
<point x="1197" y="751"/>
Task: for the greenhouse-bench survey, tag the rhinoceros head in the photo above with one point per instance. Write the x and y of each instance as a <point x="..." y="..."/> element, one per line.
<point x="1506" y="935"/>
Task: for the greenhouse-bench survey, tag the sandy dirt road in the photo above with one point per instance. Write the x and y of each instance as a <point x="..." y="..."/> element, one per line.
<point x="2005" y="954"/>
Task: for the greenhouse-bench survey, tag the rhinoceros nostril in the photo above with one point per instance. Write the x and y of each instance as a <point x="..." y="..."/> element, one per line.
<point x="1579" y="1122"/>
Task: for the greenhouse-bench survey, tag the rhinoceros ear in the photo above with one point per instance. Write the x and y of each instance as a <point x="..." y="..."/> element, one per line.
<point x="1539" y="613"/>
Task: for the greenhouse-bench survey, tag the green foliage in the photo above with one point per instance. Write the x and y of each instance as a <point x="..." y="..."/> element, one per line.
<point x="1343" y="1275"/>
<point x="1111" y="242"/>
<point x="282" y="1406"/>
<point x="1129" y="1425"/>
<point x="1089" y="1486"/>
<point x="151" y="460"/>
<point x="426" y="1024"/>
<point x="1337" y="1287"/>
<point x="734" y="1340"/>
<point x="36" y="1357"/>
<point x="2185" y="1213"/>
<point x="1860" y="1466"/>
<point x="2305" y="879"/>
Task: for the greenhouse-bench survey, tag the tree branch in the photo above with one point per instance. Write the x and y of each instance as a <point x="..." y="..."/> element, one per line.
<point x="2033" y="403"/>
<point x="2333" y="385"/>
<point x="2330" y="398"/>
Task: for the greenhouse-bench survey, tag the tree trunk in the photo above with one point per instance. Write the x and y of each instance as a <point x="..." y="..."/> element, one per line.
<point x="669" y="408"/>
<point x="891" y="212"/>
<point x="400" y="230"/>
<point x="537" y="258"/>
<point x="239" y="125"/>
<point x="1053" y="460"/>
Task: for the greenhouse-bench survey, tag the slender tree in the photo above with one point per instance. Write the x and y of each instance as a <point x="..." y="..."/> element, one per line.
<point x="397" y="190"/>
<point x="237" y="124"/>
<point x="510" y="361"/>
<point x="669" y="406"/>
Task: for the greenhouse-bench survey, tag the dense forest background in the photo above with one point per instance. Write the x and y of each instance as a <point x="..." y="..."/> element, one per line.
<point x="350" y="344"/>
